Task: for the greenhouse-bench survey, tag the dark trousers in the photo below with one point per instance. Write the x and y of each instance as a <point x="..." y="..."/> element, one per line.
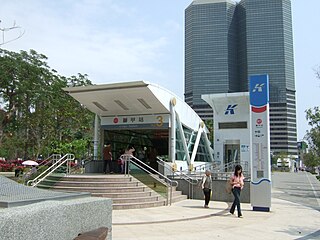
<point x="120" y="166"/>
<point x="236" y="202"/>
<point x="207" y="193"/>
<point x="107" y="165"/>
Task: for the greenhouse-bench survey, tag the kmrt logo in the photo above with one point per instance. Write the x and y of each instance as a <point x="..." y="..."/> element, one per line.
<point x="258" y="87"/>
<point x="230" y="109"/>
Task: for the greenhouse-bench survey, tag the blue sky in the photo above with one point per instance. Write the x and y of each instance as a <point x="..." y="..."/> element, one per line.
<point x="118" y="41"/>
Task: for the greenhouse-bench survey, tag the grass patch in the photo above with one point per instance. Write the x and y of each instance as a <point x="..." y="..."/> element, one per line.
<point x="149" y="181"/>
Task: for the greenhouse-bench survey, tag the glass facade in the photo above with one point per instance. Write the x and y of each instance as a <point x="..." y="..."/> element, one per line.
<point x="226" y="42"/>
<point x="190" y="137"/>
<point x="210" y="62"/>
<point x="150" y="143"/>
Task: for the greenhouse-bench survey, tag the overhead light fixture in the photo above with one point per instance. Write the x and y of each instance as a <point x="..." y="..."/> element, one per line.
<point x="143" y="102"/>
<point x="124" y="107"/>
<point x="100" y="106"/>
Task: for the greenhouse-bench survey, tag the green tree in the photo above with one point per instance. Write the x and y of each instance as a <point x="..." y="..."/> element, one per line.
<point x="209" y="125"/>
<point x="36" y="112"/>
<point x="312" y="158"/>
<point x="282" y="156"/>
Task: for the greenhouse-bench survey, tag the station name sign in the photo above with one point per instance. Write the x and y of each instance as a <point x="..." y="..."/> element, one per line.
<point x="160" y="121"/>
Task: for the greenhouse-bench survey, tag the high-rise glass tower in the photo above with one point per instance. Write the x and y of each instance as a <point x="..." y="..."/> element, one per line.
<point x="210" y="52"/>
<point x="226" y="42"/>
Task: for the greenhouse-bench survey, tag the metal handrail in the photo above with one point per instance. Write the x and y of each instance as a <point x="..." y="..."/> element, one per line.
<point x="177" y="173"/>
<point x="215" y="170"/>
<point x="190" y="180"/>
<point x="205" y="166"/>
<point x="82" y="163"/>
<point x="168" y="182"/>
<point x="229" y="165"/>
<point x="165" y="165"/>
<point x="44" y="162"/>
<point x="68" y="157"/>
<point x="53" y="157"/>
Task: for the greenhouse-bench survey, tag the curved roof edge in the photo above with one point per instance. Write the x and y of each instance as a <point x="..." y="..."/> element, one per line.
<point x="133" y="98"/>
<point x="110" y="86"/>
<point x="187" y="115"/>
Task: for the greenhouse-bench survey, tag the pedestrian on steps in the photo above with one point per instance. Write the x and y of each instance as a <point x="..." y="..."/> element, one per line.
<point x="107" y="157"/>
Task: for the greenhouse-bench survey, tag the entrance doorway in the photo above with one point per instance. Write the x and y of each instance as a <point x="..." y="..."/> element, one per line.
<point x="231" y="155"/>
<point x="148" y="143"/>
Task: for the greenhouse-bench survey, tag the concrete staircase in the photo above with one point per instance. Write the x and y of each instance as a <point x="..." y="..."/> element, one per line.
<point x="125" y="191"/>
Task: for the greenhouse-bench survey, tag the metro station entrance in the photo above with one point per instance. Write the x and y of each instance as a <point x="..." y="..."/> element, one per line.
<point x="151" y="119"/>
<point x="148" y="143"/>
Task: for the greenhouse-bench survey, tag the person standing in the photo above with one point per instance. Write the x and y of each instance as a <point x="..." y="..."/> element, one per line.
<point x="120" y="161"/>
<point x="237" y="183"/>
<point x="206" y="187"/>
<point x="107" y="157"/>
<point x="130" y="150"/>
<point x="126" y="158"/>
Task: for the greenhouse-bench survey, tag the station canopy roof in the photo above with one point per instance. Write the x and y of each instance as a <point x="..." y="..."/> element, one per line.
<point x="132" y="98"/>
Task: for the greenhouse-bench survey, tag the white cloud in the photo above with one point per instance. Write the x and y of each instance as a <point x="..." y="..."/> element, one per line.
<point x="75" y="43"/>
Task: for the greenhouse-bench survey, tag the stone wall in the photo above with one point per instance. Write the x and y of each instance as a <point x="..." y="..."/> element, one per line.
<point x="52" y="220"/>
<point x="218" y="194"/>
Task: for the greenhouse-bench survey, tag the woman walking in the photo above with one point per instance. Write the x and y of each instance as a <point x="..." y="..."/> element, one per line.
<point x="237" y="183"/>
<point x="207" y="187"/>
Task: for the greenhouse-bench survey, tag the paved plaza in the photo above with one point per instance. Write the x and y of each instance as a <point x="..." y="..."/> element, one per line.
<point x="294" y="215"/>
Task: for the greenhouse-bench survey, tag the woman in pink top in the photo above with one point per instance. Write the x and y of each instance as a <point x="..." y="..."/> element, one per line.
<point x="237" y="183"/>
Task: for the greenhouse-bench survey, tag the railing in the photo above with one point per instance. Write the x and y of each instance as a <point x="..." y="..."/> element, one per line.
<point x="65" y="159"/>
<point x="81" y="165"/>
<point x="180" y="175"/>
<point x="229" y="167"/>
<point x="51" y="159"/>
<point x="149" y="176"/>
<point x="217" y="172"/>
<point x="205" y="166"/>
<point x="226" y="168"/>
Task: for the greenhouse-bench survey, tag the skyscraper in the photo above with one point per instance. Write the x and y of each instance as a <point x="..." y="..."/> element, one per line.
<point x="226" y="42"/>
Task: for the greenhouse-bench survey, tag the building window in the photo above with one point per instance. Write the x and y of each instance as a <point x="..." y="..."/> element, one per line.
<point x="232" y="125"/>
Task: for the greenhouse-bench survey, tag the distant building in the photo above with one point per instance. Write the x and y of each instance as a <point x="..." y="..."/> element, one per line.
<point x="226" y="42"/>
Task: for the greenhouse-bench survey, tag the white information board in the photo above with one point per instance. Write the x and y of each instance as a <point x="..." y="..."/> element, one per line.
<point x="260" y="189"/>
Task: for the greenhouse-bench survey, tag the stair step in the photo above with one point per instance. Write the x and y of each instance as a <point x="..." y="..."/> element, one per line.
<point x="176" y="193"/>
<point x="137" y="199"/>
<point x="97" y="184"/>
<point x="178" y="198"/>
<point x="138" y="205"/>
<point x="124" y="194"/>
<point x="125" y="191"/>
<point x="101" y="189"/>
<point x="98" y="178"/>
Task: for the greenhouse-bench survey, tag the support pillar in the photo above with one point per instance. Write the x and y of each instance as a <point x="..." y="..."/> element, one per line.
<point x="96" y="137"/>
<point x="172" y="153"/>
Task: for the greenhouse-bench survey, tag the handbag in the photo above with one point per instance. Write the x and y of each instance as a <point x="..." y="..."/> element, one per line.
<point x="228" y="187"/>
<point x="206" y="190"/>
